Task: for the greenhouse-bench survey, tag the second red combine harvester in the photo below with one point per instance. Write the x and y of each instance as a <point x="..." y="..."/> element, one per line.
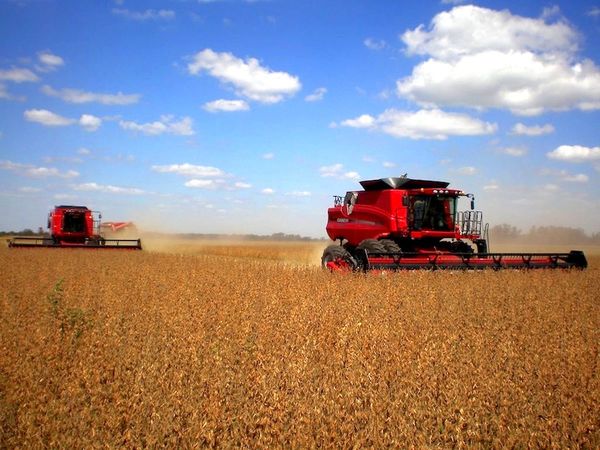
<point x="404" y="223"/>
<point x="77" y="227"/>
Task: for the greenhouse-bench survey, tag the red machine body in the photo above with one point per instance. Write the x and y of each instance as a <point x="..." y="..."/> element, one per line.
<point x="408" y="223"/>
<point x="75" y="226"/>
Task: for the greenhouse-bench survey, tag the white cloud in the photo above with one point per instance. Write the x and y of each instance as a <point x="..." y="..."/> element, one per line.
<point x="248" y="77"/>
<point x="49" y="61"/>
<point x="566" y="176"/>
<point x="534" y="130"/>
<point x="493" y="186"/>
<point x="472" y="29"/>
<point x="388" y="164"/>
<point x="79" y="96"/>
<point x="299" y="194"/>
<point x="226" y="105"/>
<point x="375" y="44"/>
<point x="47" y="118"/>
<point x="575" y="153"/>
<point x="423" y="124"/>
<point x="37" y="171"/>
<point x="363" y="121"/>
<point x="267" y="191"/>
<point x="165" y="125"/>
<point x="84" y="151"/>
<point x="148" y="14"/>
<point x="483" y="58"/>
<point x="514" y="151"/>
<point x="242" y="185"/>
<point x="29" y="189"/>
<point x="190" y="170"/>
<point x="201" y="184"/>
<point x="107" y="188"/>
<point x="337" y="171"/>
<point x="43" y="172"/>
<point x="594" y="12"/>
<point x="89" y="122"/>
<point x="18" y="75"/>
<point x="317" y="95"/>
<point x="467" y="170"/>
<point x="268" y="156"/>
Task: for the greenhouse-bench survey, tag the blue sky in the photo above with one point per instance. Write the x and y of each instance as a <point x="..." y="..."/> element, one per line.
<point x="248" y="116"/>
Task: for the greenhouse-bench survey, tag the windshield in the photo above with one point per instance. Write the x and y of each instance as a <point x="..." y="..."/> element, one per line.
<point x="432" y="212"/>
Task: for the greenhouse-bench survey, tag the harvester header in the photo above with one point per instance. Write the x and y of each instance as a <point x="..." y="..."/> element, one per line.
<point x="405" y="223"/>
<point x="75" y="227"/>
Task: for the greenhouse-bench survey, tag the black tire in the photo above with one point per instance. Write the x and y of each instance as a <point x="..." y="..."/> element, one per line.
<point x="337" y="252"/>
<point x="460" y="247"/>
<point x="390" y="246"/>
<point x="372" y="246"/>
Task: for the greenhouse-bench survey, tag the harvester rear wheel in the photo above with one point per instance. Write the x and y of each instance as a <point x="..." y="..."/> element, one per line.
<point x="391" y="246"/>
<point x="372" y="246"/>
<point x="339" y="258"/>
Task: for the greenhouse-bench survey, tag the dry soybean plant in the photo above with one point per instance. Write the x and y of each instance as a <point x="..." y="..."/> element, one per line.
<point x="226" y="347"/>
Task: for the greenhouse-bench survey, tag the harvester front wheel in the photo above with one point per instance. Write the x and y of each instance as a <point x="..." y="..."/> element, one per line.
<point x="336" y="257"/>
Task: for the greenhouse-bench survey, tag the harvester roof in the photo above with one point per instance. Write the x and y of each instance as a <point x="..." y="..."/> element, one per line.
<point x="70" y="207"/>
<point x="401" y="183"/>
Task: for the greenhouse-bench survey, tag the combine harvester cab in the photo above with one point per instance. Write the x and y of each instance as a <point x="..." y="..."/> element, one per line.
<point x="403" y="223"/>
<point x="75" y="227"/>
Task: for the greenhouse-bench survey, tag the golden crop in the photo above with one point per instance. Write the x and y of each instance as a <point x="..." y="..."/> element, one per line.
<point x="250" y="345"/>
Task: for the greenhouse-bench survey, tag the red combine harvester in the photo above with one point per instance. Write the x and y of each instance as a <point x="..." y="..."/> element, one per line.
<point x="76" y="227"/>
<point x="403" y="223"/>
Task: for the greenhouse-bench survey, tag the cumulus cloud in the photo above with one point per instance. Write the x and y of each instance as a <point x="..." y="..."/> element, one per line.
<point x="375" y="44"/>
<point x="594" y="12"/>
<point x="37" y="171"/>
<point x="337" y="171"/>
<point x="575" y="153"/>
<point x="566" y="176"/>
<point x="107" y="188"/>
<point x="248" y="78"/>
<point x="200" y="184"/>
<point x="146" y="15"/>
<point x="89" y="122"/>
<point x="299" y="194"/>
<point x="190" y="170"/>
<point x="79" y="96"/>
<point x="423" y="124"/>
<point x="166" y="125"/>
<point x="226" y="106"/>
<point x="525" y="65"/>
<point x="18" y="75"/>
<point x="317" y="95"/>
<point x="514" y="151"/>
<point x="47" y="118"/>
<point x="203" y="177"/>
<point x="267" y="191"/>
<point x="49" y="61"/>
<point x="467" y="170"/>
<point x="534" y="130"/>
